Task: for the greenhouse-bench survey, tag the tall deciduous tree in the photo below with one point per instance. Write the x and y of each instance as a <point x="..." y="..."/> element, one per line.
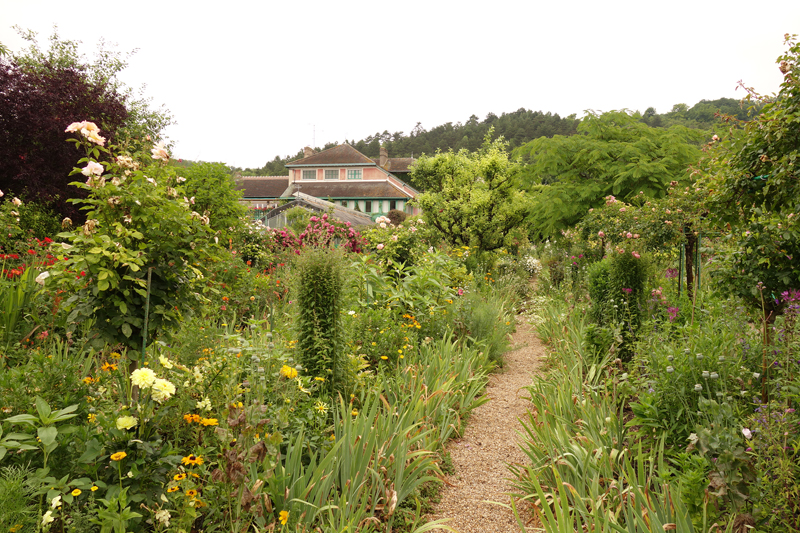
<point x="613" y="153"/>
<point x="471" y="198"/>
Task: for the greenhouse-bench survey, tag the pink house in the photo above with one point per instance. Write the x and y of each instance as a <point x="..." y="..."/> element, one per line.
<point x="348" y="178"/>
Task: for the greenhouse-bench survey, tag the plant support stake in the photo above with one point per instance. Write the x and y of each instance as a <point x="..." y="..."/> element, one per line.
<point x="146" y="314"/>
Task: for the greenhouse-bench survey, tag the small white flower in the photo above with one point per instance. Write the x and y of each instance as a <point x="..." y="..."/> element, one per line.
<point x="16" y="201"/>
<point x="55" y="502"/>
<point x="41" y="277"/>
<point x="47" y="518"/>
<point x="163" y="516"/>
<point x="747" y="433"/>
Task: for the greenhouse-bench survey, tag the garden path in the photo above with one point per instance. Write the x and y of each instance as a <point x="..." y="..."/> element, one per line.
<point x="489" y="443"/>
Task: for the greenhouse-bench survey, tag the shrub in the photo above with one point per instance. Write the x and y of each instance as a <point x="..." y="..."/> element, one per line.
<point x="397" y="217"/>
<point x="617" y="291"/>
<point x="319" y="278"/>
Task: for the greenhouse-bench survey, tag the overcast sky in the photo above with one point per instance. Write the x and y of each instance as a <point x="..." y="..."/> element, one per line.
<point x="250" y="80"/>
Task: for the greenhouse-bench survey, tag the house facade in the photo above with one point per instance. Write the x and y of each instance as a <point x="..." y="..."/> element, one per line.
<point x="348" y="178"/>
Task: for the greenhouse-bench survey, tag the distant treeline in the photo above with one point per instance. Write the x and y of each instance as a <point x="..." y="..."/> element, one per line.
<point x="517" y="127"/>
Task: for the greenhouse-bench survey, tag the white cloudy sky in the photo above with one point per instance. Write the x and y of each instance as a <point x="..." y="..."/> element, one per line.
<point x="250" y="80"/>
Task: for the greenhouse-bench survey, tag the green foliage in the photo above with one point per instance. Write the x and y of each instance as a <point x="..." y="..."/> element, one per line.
<point x="471" y="198"/>
<point x="753" y="180"/>
<point x="775" y="444"/>
<point x="17" y="513"/>
<point x="214" y="193"/>
<point x="403" y="243"/>
<point x="487" y="323"/>
<point x="298" y="218"/>
<point x="617" y="291"/>
<point x="320" y="279"/>
<point x="613" y="154"/>
<point x="140" y="241"/>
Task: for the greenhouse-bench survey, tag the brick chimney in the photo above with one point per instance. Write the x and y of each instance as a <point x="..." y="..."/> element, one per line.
<point x="307" y="151"/>
<point x="384" y="157"/>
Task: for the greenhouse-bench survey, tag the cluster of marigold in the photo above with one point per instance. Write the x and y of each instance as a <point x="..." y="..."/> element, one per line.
<point x="197" y="419"/>
<point x="412" y="320"/>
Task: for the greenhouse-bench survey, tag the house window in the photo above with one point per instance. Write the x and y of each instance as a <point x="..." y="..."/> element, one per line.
<point x="331" y="174"/>
<point x="354" y="174"/>
<point x="309" y="174"/>
<point x="368" y="206"/>
<point x="392" y="204"/>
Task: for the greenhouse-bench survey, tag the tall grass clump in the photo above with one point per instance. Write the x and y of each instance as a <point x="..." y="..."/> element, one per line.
<point x="17" y="512"/>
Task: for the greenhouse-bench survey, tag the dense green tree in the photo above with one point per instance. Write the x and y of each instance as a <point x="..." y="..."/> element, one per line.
<point x="471" y="198"/>
<point x="613" y="154"/>
<point x="213" y="190"/>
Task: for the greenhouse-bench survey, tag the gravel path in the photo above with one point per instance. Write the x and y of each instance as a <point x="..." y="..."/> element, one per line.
<point x="489" y="443"/>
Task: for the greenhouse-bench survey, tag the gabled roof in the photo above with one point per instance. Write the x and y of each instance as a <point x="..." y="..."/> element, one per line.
<point x="340" y="155"/>
<point x="263" y="186"/>
<point x="399" y="164"/>
<point x="350" y="189"/>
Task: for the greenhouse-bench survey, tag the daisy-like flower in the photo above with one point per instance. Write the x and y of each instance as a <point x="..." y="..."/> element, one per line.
<point x="119" y="456"/>
<point x="209" y="422"/>
<point x="76" y="492"/>
<point x="191" y="493"/>
<point x="179" y="477"/>
<point x="172" y="489"/>
<point x="283" y="516"/>
<point x="192" y="459"/>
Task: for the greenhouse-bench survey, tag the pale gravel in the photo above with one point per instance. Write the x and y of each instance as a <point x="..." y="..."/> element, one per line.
<point x="480" y="457"/>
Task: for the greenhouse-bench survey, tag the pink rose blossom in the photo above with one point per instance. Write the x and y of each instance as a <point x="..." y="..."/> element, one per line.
<point x="92" y="167"/>
<point x="380" y="246"/>
<point x="160" y="152"/>
<point x="601" y="234"/>
<point x="629" y="235"/>
<point x="636" y="255"/>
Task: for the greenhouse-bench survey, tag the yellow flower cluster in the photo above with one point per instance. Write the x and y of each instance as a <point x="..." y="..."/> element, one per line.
<point x="288" y="372"/>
